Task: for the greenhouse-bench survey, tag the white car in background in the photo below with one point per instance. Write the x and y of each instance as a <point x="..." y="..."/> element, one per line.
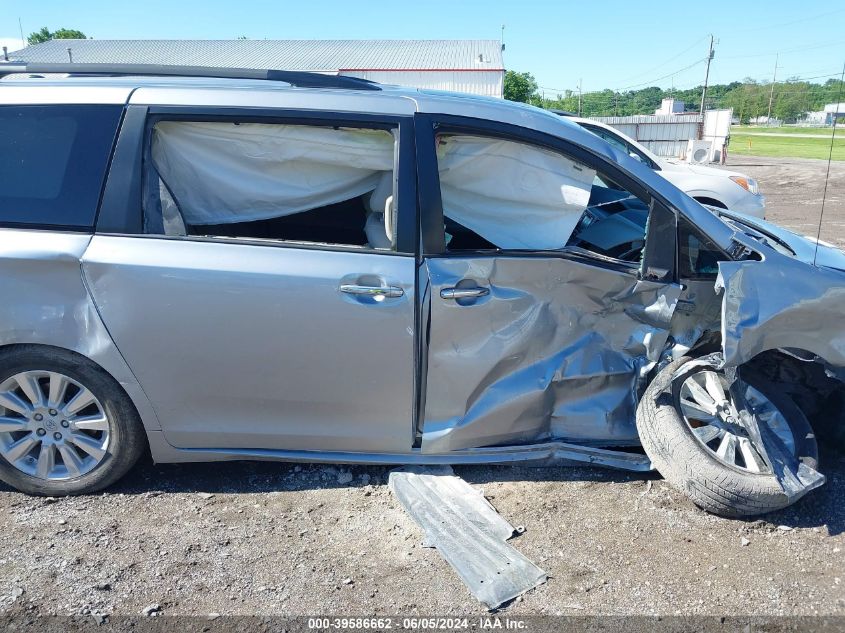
<point x="715" y="187"/>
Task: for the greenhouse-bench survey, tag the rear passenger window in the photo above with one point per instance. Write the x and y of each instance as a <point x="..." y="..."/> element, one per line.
<point x="296" y="183"/>
<point x="52" y="163"/>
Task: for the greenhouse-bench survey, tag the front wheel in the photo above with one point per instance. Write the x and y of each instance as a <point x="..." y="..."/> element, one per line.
<point x="66" y="427"/>
<point x="688" y="425"/>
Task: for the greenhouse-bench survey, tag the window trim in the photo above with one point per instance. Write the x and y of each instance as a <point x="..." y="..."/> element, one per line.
<point x="428" y="126"/>
<point x="125" y="214"/>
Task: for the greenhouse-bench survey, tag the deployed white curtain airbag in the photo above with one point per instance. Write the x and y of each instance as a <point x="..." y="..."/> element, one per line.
<point x="514" y="195"/>
<point x="221" y="173"/>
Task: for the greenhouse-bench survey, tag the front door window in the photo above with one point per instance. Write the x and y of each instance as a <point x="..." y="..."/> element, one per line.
<point x="505" y="195"/>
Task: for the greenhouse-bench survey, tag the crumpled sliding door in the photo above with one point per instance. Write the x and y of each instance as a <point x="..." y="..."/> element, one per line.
<point x="527" y="348"/>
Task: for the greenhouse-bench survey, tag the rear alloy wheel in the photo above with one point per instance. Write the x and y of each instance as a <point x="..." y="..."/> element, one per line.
<point x="54" y="428"/>
<point x="66" y="427"/>
<point x="690" y="427"/>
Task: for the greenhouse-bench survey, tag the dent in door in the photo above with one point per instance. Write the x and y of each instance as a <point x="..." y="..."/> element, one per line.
<point x="557" y="349"/>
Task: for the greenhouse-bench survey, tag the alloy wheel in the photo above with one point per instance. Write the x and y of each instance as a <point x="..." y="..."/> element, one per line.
<point x="52" y="427"/>
<point x="710" y="411"/>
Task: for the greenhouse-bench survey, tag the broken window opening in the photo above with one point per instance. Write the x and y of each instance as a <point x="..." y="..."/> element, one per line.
<point x="505" y="195"/>
<point x="698" y="256"/>
<point x="296" y="183"/>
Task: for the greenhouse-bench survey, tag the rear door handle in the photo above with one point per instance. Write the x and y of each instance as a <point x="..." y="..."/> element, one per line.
<point x="391" y="292"/>
<point x="463" y="293"/>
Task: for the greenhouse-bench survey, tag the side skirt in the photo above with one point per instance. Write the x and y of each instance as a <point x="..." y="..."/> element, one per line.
<point x="546" y="454"/>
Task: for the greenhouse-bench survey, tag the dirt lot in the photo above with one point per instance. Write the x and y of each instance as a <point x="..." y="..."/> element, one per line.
<point x="793" y="188"/>
<point x="288" y="539"/>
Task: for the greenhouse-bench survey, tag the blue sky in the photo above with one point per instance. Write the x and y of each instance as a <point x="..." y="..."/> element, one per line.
<point x="610" y="44"/>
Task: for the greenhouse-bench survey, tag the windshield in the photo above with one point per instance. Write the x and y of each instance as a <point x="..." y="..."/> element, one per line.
<point x="620" y="143"/>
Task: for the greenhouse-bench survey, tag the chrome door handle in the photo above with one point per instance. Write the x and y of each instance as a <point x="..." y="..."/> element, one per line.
<point x="372" y="291"/>
<point x="463" y="293"/>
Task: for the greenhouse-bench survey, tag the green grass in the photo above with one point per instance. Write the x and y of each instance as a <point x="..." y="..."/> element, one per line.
<point x="747" y="145"/>
<point x="758" y="129"/>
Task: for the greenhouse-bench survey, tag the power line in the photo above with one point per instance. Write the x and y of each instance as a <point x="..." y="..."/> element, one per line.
<point x="670" y="60"/>
<point x="653" y="81"/>
<point x="788" y="50"/>
<point x="798" y="21"/>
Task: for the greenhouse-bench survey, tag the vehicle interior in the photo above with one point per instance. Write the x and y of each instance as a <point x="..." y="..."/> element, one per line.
<point x="272" y="182"/>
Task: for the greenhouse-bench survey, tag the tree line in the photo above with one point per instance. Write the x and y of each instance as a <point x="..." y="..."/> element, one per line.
<point x="749" y="98"/>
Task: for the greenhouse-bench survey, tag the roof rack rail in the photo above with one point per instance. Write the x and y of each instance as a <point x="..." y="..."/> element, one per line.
<point x="300" y="79"/>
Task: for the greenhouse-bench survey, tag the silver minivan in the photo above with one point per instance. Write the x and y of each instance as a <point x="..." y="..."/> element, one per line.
<point x="216" y="265"/>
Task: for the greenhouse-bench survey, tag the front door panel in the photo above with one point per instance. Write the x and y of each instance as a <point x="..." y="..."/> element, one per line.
<point x="525" y="349"/>
<point x="253" y="346"/>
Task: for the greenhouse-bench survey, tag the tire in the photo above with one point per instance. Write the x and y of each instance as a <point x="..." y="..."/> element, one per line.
<point x="686" y="463"/>
<point x="119" y="438"/>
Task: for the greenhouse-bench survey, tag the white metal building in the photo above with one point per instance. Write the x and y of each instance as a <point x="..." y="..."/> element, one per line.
<point x="825" y="117"/>
<point x="473" y="66"/>
<point x="669" y="135"/>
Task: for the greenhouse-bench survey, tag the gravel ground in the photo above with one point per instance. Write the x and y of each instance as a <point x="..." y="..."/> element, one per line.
<point x="285" y="539"/>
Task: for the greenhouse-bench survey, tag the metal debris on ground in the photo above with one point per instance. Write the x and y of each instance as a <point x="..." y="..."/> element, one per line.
<point x="467" y="531"/>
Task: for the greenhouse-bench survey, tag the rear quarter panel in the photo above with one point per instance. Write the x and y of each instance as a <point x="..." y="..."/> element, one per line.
<point x="45" y="302"/>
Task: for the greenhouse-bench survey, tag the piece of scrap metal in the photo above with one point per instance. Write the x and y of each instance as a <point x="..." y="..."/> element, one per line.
<point x="467" y="531"/>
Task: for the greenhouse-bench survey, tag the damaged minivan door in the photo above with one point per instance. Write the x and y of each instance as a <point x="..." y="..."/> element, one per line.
<point x="551" y="289"/>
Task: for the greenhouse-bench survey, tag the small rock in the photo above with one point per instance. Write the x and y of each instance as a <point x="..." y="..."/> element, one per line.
<point x="63" y="522"/>
<point x="785" y="528"/>
<point x="17" y="592"/>
<point x="48" y="500"/>
<point x="99" y="618"/>
<point x="744" y="542"/>
<point x="347" y="581"/>
<point x="213" y="616"/>
<point x="344" y="478"/>
<point x="151" y="610"/>
<point x="102" y="586"/>
<point x="836" y="550"/>
<point x="205" y="495"/>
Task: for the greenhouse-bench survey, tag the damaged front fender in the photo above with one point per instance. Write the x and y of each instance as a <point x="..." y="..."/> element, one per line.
<point x="782" y="303"/>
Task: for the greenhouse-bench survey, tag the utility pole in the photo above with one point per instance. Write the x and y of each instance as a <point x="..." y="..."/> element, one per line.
<point x="772" y="92"/>
<point x="706" y="76"/>
<point x="579" y="97"/>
